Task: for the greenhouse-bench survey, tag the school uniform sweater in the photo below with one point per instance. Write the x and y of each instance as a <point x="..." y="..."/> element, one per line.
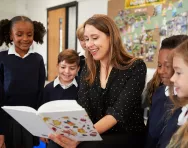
<point x="52" y="93"/>
<point x="161" y="105"/>
<point x="21" y="80"/>
<point x="170" y="128"/>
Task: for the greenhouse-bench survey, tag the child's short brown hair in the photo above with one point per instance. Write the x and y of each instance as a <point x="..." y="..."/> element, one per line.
<point x="70" y="56"/>
<point x="80" y="32"/>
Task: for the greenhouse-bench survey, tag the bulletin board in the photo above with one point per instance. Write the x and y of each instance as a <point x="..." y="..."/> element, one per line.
<point x="143" y="24"/>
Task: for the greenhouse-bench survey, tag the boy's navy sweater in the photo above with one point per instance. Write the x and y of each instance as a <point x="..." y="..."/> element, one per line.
<point x="52" y="93"/>
<point x="21" y="81"/>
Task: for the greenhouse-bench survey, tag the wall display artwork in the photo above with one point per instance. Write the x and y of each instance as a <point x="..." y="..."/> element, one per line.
<point x="143" y="45"/>
<point x="177" y="25"/>
<point x="144" y="23"/>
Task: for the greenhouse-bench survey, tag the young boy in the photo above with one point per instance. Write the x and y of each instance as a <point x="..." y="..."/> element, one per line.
<point x="65" y="86"/>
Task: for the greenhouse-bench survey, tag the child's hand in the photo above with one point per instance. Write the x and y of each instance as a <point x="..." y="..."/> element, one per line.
<point x="63" y="141"/>
<point x="2" y="141"/>
<point x="45" y="140"/>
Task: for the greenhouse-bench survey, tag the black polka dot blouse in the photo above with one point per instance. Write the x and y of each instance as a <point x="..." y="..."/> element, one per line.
<point x="121" y="98"/>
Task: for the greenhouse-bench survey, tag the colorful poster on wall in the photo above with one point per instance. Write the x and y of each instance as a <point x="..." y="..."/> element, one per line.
<point x="141" y="3"/>
<point x="177" y="25"/>
<point x="143" y="28"/>
<point x="143" y="45"/>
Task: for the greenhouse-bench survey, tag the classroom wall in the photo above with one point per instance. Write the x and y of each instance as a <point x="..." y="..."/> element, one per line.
<point x="11" y="8"/>
<point x="87" y="8"/>
<point x="37" y="10"/>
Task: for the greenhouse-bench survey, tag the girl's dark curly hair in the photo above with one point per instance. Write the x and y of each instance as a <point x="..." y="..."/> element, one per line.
<point x="6" y="25"/>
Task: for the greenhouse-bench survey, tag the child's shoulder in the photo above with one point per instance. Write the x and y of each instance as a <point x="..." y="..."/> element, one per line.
<point x="3" y="52"/>
<point x="37" y="55"/>
<point x="49" y="85"/>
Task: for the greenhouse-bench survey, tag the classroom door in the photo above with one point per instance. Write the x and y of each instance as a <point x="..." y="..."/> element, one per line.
<point x="56" y="39"/>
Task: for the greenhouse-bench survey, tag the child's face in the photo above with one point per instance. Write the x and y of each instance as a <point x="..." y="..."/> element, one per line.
<point x="180" y="77"/>
<point x="164" y="69"/>
<point x="67" y="72"/>
<point x="83" y="44"/>
<point x="22" y="35"/>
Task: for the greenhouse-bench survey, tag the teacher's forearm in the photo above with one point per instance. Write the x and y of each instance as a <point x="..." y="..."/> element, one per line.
<point x="106" y="123"/>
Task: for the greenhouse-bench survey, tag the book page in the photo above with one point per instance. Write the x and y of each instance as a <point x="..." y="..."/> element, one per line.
<point x="62" y="117"/>
<point x="20" y="108"/>
<point x="27" y="117"/>
<point x="75" y="125"/>
<point x="60" y="105"/>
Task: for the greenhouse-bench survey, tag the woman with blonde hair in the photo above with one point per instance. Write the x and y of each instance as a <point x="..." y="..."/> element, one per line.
<point x="110" y="89"/>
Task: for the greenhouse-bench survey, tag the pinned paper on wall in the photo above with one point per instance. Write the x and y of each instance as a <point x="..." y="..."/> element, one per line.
<point x="143" y="26"/>
<point x="141" y="3"/>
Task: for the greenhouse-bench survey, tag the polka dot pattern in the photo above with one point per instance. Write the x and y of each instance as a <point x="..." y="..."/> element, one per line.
<point x="121" y="98"/>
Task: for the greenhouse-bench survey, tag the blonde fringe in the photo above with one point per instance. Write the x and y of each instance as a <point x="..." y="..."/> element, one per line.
<point x="180" y="138"/>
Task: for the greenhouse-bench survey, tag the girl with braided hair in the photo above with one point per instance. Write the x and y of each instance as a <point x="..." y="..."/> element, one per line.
<point x="22" y="77"/>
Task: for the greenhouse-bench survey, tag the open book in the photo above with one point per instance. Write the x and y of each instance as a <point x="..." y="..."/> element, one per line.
<point x="64" y="117"/>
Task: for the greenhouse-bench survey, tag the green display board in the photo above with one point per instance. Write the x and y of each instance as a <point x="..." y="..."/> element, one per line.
<point x="143" y="28"/>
